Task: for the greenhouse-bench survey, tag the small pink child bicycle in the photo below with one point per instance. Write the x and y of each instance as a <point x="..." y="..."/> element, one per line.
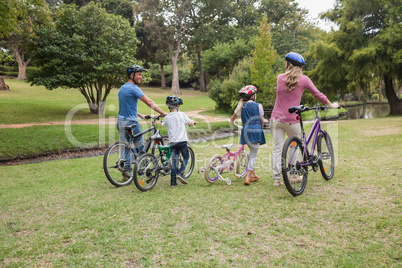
<point x="230" y="162"/>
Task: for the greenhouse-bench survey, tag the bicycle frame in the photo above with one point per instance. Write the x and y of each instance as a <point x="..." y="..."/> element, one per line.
<point x="315" y="130"/>
<point x="228" y="155"/>
<point x="152" y="128"/>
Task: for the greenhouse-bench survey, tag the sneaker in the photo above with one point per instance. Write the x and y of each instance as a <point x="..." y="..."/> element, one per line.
<point x="295" y="178"/>
<point x="181" y="178"/>
<point x="174" y="185"/>
<point x="278" y="183"/>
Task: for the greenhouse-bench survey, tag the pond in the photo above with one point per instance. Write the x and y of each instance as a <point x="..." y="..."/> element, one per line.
<point x="366" y="111"/>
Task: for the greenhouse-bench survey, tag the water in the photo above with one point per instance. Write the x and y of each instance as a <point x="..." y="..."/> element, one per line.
<point x="366" y="111"/>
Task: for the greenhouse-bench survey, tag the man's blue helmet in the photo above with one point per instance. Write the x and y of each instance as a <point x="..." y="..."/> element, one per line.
<point x="295" y="59"/>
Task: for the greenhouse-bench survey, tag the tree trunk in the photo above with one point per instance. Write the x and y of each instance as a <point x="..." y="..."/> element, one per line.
<point x="380" y="91"/>
<point x="163" y="80"/>
<point x="175" y="70"/>
<point x="3" y="85"/>
<point x="395" y="103"/>
<point x="22" y="64"/>
<point x="202" y="75"/>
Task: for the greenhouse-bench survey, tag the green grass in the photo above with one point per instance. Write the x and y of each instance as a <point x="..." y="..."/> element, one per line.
<point x="34" y="141"/>
<point x="26" y="104"/>
<point x="65" y="213"/>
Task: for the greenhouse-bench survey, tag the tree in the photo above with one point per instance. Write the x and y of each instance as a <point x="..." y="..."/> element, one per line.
<point x="88" y="50"/>
<point x="223" y="57"/>
<point x="367" y="46"/>
<point x="24" y="16"/>
<point x="167" y="21"/>
<point x="261" y="71"/>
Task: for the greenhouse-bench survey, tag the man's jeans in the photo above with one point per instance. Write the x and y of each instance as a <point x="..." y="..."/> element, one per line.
<point x="124" y="136"/>
<point x="177" y="148"/>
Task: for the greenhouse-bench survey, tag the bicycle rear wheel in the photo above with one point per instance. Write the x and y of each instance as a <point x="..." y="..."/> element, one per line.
<point x="241" y="164"/>
<point x="211" y="174"/>
<point x="326" y="159"/>
<point x="119" y="159"/>
<point x="146" y="172"/>
<point x="293" y="171"/>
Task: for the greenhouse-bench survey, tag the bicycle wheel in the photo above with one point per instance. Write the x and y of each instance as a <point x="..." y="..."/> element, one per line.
<point x="119" y="158"/>
<point x="146" y="172"/>
<point x="211" y="173"/>
<point x="326" y="159"/>
<point x="241" y="164"/>
<point x="190" y="164"/>
<point x="293" y="171"/>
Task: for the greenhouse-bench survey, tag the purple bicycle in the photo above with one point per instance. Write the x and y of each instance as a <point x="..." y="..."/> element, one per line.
<point x="297" y="159"/>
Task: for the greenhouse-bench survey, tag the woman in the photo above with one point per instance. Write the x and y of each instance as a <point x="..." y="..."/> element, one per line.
<point x="252" y="134"/>
<point x="289" y="90"/>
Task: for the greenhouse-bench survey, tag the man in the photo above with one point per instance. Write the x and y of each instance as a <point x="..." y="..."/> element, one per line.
<point x="128" y="95"/>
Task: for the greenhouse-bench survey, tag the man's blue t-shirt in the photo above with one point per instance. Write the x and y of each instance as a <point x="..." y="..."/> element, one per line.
<point x="129" y="94"/>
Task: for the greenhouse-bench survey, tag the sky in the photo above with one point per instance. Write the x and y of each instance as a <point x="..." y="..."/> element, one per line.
<point x="316" y="7"/>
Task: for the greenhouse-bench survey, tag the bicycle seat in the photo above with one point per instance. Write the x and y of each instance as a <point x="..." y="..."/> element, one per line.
<point x="130" y="127"/>
<point x="157" y="135"/>
<point x="297" y="109"/>
<point x="227" y="146"/>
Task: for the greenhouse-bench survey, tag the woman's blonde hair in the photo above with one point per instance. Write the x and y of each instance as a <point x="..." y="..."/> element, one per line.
<point x="292" y="76"/>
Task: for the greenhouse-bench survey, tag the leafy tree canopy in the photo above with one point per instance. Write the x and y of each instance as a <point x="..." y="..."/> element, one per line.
<point x="86" y="49"/>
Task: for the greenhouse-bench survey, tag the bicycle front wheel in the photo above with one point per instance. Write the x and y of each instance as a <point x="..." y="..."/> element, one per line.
<point x="241" y="164"/>
<point x="212" y="171"/>
<point x="294" y="171"/>
<point x="146" y="172"/>
<point x="190" y="164"/>
<point x="326" y="159"/>
<point x="118" y="163"/>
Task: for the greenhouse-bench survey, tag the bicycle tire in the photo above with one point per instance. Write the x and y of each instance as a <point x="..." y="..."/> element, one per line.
<point x="326" y="158"/>
<point x="113" y="163"/>
<point x="292" y="168"/>
<point x="190" y="164"/>
<point x="241" y="164"/>
<point x="146" y="172"/>
<point x="210" y="174"/>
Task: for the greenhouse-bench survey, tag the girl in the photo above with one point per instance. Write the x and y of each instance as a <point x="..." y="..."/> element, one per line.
<point x="252" y="117"/>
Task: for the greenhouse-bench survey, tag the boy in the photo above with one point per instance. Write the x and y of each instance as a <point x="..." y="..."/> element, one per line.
<point x="176" y="125"/>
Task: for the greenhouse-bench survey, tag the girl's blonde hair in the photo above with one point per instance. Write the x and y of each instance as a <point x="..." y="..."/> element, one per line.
<point x="292" y="76"/>
<point x="240" y="106"/>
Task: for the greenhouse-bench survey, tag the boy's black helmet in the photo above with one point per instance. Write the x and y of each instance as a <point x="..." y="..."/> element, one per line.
<point x="295" y="58"/>
<point x="174" y="100"/>
<point x="134" y="69"/>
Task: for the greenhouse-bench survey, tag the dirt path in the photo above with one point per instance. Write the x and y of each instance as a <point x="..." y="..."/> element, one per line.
<point x="111" y="121"/>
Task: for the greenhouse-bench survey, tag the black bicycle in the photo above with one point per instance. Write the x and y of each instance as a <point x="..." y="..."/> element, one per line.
<point x="119" y="159"/>
<point x="149" y="166"/>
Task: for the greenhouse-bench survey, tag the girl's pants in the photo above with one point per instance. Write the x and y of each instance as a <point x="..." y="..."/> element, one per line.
<point x="253" y="155"/>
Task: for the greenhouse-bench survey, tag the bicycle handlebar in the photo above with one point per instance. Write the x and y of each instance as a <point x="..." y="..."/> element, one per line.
<point x="300" y="108"/>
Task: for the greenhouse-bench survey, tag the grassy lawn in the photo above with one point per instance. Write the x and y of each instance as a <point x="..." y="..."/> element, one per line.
<point x="26" y="104"/>
<point x="66" y="213"/>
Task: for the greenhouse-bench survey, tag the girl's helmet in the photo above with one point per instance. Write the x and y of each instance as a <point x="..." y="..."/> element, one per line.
<point x="174" y="100"/>
<point x="134" y="69"/>
<point x="295" y="59"/>
<point x="247" y="91"/>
